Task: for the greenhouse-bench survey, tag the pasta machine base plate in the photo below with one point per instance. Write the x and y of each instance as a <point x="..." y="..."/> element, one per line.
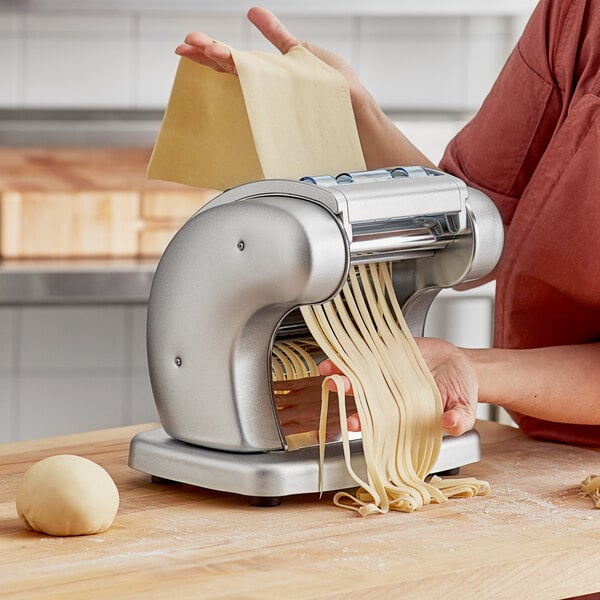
<point x="271" y="474"/>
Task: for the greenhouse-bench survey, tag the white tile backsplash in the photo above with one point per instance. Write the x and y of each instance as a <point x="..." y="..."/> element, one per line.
<point x="126" y="60"/>
<point x="73" y="61"/>
<point x="73" y="337"/>
<point x="10" y="55"/>
<point x="143" y="409"/>
<point x="8" y="340"/>
<point x="138" y="358"/>
<point x="72" y="368"/>
<point x="487" y="46"/>
<point x="78" y="25"/>
<point x="6" y="425"/>
<point x="412" y="62"/>
<point x="52" y="405"/>
<point x="464" y="321"/>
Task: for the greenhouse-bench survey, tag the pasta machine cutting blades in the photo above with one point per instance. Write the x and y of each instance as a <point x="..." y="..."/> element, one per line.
<point x="229" y="285"/>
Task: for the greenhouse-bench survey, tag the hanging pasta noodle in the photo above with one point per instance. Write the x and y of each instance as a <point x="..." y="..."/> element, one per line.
<point x="363" y="332"/>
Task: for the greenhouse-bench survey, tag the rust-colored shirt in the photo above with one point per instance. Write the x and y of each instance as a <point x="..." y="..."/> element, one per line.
<point x="534" y="148"/>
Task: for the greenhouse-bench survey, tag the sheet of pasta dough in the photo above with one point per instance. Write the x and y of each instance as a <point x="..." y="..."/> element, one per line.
<point x="282" y="116"/>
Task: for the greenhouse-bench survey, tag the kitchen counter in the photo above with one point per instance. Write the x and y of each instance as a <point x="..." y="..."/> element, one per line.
<point x="535" y="536"/>
<point x="103" y="281"/>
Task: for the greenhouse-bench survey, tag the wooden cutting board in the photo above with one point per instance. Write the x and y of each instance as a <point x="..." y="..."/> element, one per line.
<point x="534" y="537"/>
<point x="88" y="202"/>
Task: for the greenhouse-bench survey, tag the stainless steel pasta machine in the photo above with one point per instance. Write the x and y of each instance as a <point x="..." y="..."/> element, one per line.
<point x="228" y="287"/>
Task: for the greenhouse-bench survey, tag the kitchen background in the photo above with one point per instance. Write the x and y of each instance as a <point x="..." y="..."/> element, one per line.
<point x="89" y="74"/>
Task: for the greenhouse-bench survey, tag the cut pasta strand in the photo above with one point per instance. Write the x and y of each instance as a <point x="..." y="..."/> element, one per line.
<point x="591" y="486"/>
<point x="363" y="332"/>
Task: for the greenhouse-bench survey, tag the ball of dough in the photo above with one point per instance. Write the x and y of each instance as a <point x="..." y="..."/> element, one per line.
<point x="67" y="495"/>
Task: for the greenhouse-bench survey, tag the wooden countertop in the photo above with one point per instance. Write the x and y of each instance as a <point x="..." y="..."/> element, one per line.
<point x="536" y="536"/>
<point x="72" y="169"/>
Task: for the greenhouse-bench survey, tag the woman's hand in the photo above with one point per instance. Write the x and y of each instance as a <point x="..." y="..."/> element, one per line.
<point x="383" y="144"/>
<point x="202" y="49"/>
<point x="456" y="380"/>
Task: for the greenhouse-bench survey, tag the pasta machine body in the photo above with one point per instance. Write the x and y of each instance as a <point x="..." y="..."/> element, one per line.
<point x="230" y="282"/>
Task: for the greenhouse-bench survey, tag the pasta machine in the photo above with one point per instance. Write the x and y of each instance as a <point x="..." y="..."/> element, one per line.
<point x="229" y="285"/>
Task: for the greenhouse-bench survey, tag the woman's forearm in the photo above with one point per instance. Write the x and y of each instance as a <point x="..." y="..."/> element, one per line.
<point x="383" y="144"/>
<point x="560" y="383"/>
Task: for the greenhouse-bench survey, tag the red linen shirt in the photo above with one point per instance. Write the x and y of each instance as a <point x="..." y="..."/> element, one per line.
<point x="534" y="148"/>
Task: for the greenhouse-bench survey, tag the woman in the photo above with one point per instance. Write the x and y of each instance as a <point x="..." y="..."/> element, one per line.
<point x="534" y="148"/>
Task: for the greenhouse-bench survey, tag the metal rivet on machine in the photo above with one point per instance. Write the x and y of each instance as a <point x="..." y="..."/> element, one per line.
<point x="241" y="245"/>
<point x="178" y="361"/>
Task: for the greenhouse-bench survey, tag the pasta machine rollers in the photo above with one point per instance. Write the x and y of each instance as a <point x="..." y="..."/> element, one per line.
<point x="228" y="287"/>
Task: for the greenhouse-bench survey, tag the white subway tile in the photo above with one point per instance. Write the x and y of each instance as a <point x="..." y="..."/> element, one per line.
<point x="486" y="48"/>
<point x="516" y="26"/>
<point x="72" y="337"/>
<point x="410" y="26"/>
<point x="5" y="408"/>
<point x="75" y="61"/>
<point x="78" y="24"/>
<point x="10" y="23"/>
<point x="466" y="322"/>
<point x="177" y="27"/>
<point x="138" y="358"/>
<point x="412" y="63"/>
<point x="157" y="64"/>
<point x="59" y="405"/>
<point x="8" y="333"/>
<point x="10" y="32"/>
<point x="143" y="408"/>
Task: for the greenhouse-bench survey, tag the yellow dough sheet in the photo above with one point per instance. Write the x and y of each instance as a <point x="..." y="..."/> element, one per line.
<point x="282" y="117"/>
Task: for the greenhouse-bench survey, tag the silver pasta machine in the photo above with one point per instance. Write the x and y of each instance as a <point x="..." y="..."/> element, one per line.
<point x="227" y="290"/>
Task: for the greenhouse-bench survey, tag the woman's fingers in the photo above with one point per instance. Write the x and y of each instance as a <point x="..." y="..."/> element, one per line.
<point x="353" y="422"/>
<point x="272" y="28"/>
<point x="198" y="39"/>
<point x="457" y="422"/>
<point x="327" y="367"/>
<point x="201" y="48"/>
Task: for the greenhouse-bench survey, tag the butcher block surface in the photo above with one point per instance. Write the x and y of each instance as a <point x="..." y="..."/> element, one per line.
<point x="536" y="536"/>
<point x="88" y="203"/>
